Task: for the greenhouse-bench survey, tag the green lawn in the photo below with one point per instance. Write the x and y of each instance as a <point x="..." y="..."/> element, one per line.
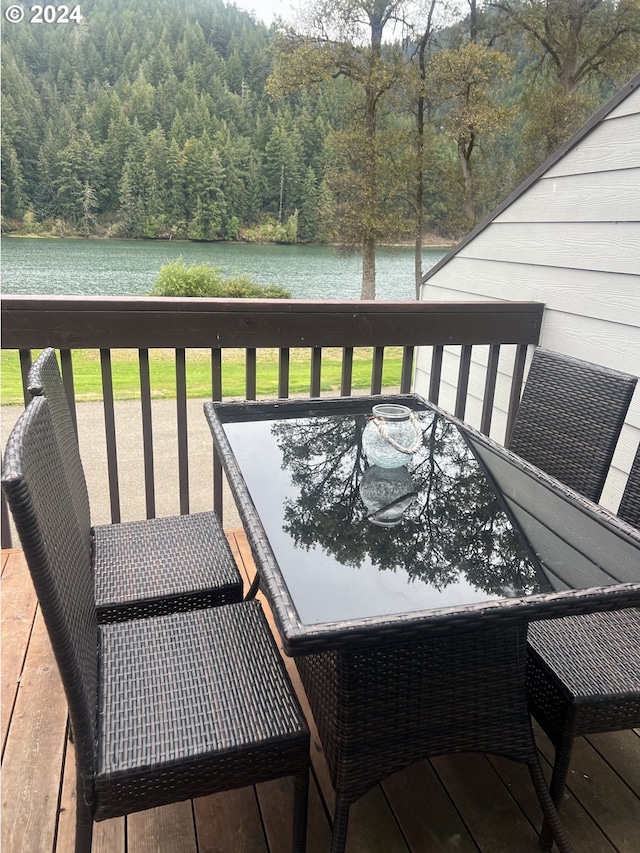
<point x="126" y="378"/>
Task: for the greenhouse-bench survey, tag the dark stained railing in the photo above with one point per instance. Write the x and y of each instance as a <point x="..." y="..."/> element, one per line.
<point x="144" y="323"/>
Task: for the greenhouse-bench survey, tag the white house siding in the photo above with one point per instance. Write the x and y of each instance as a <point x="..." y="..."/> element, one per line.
<point x="572" y="241"/>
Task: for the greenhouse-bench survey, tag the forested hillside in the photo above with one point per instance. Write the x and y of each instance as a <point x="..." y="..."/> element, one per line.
<point x="153" y="118"/>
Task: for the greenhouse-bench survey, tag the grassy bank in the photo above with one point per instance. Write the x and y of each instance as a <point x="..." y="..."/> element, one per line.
<point x="126" y="377"/>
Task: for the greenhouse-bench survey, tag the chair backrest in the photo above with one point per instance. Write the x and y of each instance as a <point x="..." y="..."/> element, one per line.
<point x="44" y="380"/>
<point x="35" y="485"/>
<point x="570" y="417"/>
<point x="629" y="508"/>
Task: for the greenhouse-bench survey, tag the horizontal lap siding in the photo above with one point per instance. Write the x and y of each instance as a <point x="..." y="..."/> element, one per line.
<point x="600" y="246"/>
<point x="571" y="198"/>
<point x="611" y="146"/>
<point x="570" y="240"/>
<point x="605" y="296"/>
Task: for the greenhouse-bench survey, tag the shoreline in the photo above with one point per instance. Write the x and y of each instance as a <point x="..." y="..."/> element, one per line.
<point x="440" y="244"/>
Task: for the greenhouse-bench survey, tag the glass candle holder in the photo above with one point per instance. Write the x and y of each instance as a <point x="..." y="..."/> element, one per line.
<point x="391" y="436"/>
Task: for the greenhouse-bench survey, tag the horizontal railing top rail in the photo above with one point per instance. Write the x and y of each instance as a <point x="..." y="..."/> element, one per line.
<point x="145" y="324"/>
<point x="70" y="322"/>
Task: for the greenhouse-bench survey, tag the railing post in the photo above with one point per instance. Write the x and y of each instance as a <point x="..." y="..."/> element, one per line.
<point x="110" y="431"/>
<point x="25" y="366"/>
<point x="516" y="387"/>
<point x="147" y="432"/>
<point x="183" y="446"/>
<point x="489" y="388"/>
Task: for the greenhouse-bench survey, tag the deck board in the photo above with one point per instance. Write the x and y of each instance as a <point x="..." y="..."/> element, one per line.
<point x="464" y="803"/>
<point x="18" y="609"/>
<point x="33" y="756"/>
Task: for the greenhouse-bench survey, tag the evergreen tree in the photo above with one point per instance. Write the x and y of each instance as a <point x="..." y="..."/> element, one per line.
<point x="13" y="195"/>
<point x="309" y="216"/>
<point x="75" y="167"/>
<point x="138" y="193"/>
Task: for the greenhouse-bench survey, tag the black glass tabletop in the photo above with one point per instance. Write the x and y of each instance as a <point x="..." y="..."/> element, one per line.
<point x="346" y="537"/>
<point x="355" y="540"/>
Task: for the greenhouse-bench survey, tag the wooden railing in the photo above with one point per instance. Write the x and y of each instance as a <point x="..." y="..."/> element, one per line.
<point x="143" y="324"/>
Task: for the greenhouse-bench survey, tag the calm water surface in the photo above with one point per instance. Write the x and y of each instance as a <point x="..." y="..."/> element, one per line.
<point x="128" y="268"/>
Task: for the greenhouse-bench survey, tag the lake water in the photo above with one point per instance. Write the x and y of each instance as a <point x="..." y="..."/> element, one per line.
<point x="129" y="268"/>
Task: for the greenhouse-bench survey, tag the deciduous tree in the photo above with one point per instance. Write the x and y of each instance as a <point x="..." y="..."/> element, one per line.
<point x="463" y="80"/>
<point x="344" y="38"/>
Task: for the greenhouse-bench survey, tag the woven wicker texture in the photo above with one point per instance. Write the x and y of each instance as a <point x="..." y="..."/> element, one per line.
<point x="629" y="508"/>
<point x="381" y="709"/>
<point x="172" y="564"/>
<point x="141" y="568"/>
<point x="209" y="683"/>
<point x="570" y="417"/>
<point x="161" y="709"/>
<point x="595" y="658"/>
<point x="44" y="380"/>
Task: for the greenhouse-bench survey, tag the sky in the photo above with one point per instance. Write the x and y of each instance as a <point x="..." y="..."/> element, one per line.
<point x="266" y="10"/>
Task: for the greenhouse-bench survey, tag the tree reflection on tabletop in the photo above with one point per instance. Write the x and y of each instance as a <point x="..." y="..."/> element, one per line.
<point x="454" y="526"/>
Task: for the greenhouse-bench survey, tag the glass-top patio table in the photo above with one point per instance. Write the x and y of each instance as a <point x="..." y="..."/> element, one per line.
<point x="404" y="594"/>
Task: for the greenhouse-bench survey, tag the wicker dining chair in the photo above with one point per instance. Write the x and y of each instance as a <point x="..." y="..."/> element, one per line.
<point x="584" y="671"/>
<point x="569" y="419"/>
<point x="141" y="568"/>
<point x="162" y="709"/>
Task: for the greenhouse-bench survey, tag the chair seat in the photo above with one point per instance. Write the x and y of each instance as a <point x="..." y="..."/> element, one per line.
<point x="587" y="668"/>
<point x="147" y="568"/>
<point x="203" y="705"/>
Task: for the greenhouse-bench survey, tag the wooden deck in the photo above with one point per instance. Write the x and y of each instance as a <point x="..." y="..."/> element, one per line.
<point x="452" y="803"/>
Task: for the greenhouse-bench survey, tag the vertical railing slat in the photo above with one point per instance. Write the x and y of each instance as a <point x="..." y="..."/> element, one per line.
<point x="376" y="370"/>
<point x="147" y="433"/>
<point x="110" y="434"/>
<point x="516" y="387"/>
<point x="316" y="370"/>
<point x="463" y="381"/>
<point x="436" y="373"/>
<point x="183" y="444"/>
<point x="25" y="367"/>
<point x="489" y="389"/>
<point x="283" y="372"/>
<point x="216" y="374"/>
<point x="406" y="377"/>
<point x="67" y="378"/>
<point x="251" y="372"/>
<point x="347" y="371"/>
<point x="216" y="394"/>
